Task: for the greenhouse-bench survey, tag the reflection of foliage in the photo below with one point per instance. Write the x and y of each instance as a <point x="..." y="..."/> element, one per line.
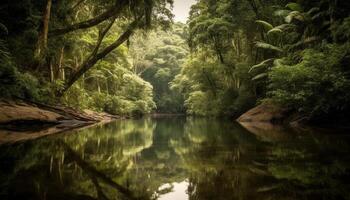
<point x="77" y="163"/>
<point x="134" y="158"/>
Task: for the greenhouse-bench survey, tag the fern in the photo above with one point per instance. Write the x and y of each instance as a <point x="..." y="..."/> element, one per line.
<point x="262" y="64"/>
<point x="265" y="24"/>
<point x="264" y="45"/>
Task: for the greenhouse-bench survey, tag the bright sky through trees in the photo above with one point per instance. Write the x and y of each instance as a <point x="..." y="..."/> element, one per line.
<point x="181" y="9"/>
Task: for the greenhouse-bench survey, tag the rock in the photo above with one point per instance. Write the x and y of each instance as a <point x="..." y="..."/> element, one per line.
<point x="24" y="120"/>
<point x="266" y="113"/>
<point x="11" y="112"/>
<point x="268" y="132"/>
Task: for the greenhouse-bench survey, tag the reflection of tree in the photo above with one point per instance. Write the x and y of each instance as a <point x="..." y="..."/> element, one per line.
<point x="227" y="162"/>
<point x="219" y="157"/>
<point x="158" y="164"/>
<point x="96" y="175"/>
<point x="132" y="159"/>
<point x="87" y="165"/>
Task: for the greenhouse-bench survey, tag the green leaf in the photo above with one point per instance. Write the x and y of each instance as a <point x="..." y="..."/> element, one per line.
<point x="295" y="7"/>
<point x="260" y="65"/>
<point x="264" y="45"/>
<point x="265" y="24"/>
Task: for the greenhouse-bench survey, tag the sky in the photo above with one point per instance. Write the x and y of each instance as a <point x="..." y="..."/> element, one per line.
<point x="181" y="9"/>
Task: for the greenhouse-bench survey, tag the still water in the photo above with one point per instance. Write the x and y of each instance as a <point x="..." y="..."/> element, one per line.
<point x="179" y="159"/>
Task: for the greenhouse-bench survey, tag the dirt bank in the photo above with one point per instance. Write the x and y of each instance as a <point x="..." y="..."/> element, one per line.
<point x="22" y="120"/>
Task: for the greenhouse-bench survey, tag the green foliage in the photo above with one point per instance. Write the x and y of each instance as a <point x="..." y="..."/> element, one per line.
<point x="14" y="84"/>
<point x="317" y="85"/>
<point x="158" y="59"/>
<point x="130" y="96"/>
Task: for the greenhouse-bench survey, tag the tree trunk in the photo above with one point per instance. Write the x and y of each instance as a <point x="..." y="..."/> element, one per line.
<point x="61" y="72"/>
<point x="51" y="72"/>
<point x="95" y="57"/>
<point x="40" y="50"/>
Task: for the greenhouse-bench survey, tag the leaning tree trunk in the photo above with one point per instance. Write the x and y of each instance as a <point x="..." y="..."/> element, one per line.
<point x="95" y="57"/>
<point x="41" y="46"/>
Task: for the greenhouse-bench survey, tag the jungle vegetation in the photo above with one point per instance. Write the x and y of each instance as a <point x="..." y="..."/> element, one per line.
<point x="128" y="56"/>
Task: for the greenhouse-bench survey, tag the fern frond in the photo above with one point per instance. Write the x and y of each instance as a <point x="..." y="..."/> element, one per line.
<point x="265" y="24"/>
<point x="274" y="30"/>
<point x="259" y="76"/>
<point x="264" y="45"/>
<point x="261" y="65"/>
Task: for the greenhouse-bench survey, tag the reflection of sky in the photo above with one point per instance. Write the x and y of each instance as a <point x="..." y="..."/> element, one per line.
<point x="179" y="191"/>
<point x="181" y="9"/>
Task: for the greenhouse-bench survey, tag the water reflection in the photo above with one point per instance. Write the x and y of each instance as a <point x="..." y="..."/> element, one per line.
<point x="178" y="159"/>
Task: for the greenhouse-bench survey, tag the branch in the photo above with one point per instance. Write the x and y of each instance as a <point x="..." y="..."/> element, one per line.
<point x="93" y="172"/>
<point x="101" y="36"/>
<point x="91" y="61"/>
<point x="113" y="12"/>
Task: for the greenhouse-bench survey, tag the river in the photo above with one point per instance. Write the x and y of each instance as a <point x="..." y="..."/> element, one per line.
<point x="179" y="159"/>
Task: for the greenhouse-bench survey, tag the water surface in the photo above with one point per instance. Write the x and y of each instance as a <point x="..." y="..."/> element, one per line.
<point x="179" y="159"/>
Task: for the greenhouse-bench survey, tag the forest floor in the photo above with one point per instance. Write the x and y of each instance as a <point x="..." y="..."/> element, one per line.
<point x="23" y="120"/>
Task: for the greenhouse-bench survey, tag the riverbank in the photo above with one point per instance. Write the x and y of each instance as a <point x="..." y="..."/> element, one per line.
<point x="22" y="120"/>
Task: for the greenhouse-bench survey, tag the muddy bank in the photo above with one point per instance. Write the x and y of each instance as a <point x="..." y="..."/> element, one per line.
<point x="20" y="120"/>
